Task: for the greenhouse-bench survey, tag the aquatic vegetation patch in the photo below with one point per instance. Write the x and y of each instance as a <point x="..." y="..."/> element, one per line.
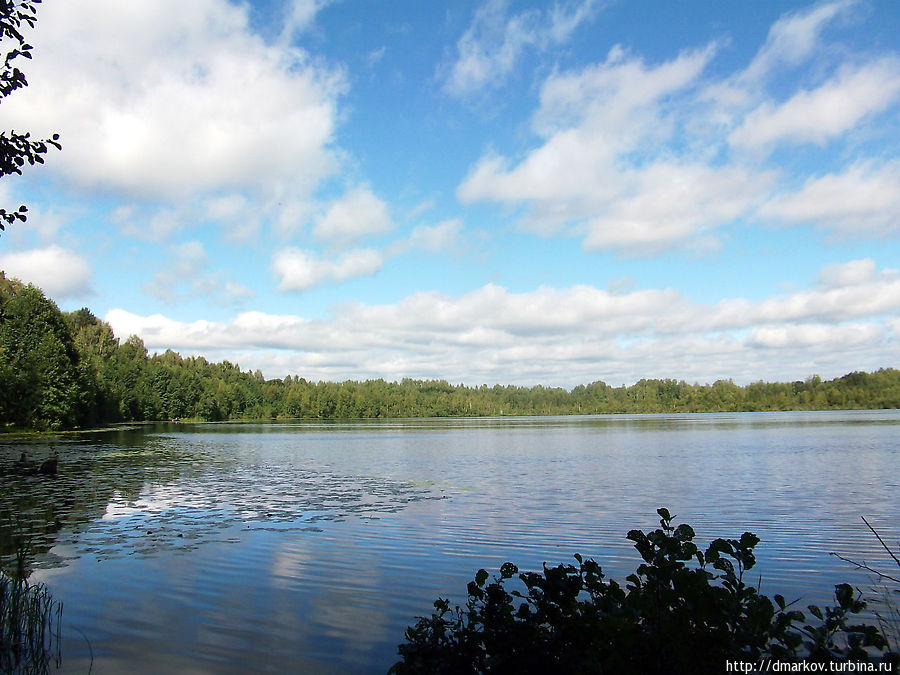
<point x="175" y="494"/>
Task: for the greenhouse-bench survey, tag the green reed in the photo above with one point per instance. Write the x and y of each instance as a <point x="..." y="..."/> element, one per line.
<point x="30" y="622"/>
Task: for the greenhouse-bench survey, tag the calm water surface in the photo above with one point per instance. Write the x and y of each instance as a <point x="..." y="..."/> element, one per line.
<point x="310" y="547"/>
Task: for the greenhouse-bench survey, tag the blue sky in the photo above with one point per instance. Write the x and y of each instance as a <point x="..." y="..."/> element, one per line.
<point x="484" y="192"/>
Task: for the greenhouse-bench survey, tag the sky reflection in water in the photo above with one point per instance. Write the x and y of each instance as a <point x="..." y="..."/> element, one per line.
<point x="311" y="546"/>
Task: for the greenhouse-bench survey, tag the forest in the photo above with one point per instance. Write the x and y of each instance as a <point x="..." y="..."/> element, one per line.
<point x="67" y="370"/>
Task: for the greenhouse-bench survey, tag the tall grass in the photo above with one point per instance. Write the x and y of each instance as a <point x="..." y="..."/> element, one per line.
<point x="30" y="622"/>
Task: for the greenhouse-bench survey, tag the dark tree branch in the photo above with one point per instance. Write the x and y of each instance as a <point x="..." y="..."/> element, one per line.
<point x="17" y="149"/>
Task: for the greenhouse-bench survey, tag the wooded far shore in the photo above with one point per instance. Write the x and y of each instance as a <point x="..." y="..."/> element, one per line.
<point x="67" y="370"/>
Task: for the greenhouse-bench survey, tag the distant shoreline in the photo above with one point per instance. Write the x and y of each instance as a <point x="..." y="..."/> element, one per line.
<point x="14" y="434"/>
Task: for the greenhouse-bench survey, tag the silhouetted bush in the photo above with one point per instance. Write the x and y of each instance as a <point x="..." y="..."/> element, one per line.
<point x="683" y="611"/>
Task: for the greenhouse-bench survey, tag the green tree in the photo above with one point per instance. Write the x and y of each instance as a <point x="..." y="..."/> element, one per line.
<point x="96" y="344"/>
<point x="43" y="384"/>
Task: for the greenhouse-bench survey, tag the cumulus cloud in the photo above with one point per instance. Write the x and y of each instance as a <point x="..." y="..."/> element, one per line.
<point x="587" y="120"/>
<point x="850" y="273"/>
<point x="240" y="218"/>
<point x="817" y="336"/>
<point x="853" y="299"/>
<point x="356" y="215"/>
<point x="666" y="204"/>
<point x="864" y="198"/>
<point x="436" y="238"/>
<point x="164" y="100"/>
<point x="642" y="158"/>
<point x="299" y="270"/>
<point x="154" y="225"/>
<point x="191" y="257"/>
<point x="821" y="114"/>
<point x="299" y="16"/>
<point x="188" y="261"/>
<point x="186" y="273"/>
<point x="562" y="336"/>
<point x="44" y="220"/>
<point x="622" y="93"/>
<point x="440" y="238"/>
<point x="236" y="292"/>
<point x="582" y="178"/>
<point x="794" y="38"/>
<point x="494" y="42"/>
<point x="60" y="273"/>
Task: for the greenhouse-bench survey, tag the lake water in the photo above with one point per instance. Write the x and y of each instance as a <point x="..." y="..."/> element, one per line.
<point x="309" y="547"/>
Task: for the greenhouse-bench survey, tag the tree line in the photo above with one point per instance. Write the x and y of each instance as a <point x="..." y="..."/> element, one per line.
<point x="66" y="370"/>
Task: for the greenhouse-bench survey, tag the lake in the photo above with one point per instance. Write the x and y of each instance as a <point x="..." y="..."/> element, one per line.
<point x="309" y="547"/>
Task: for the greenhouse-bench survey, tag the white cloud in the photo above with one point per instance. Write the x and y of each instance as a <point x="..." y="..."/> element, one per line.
<point x="422" y="207"/>
<point x="46" y="221"/>
<point x="436" y="238"/>
<point x="864" y="198"/>
<point x="237" y="292"/>
<point x="819" y="336"/>
<point x="190" y="257"/>
<point x="186" y="275"/>
<point x="644" y="158"/>
<point x="563" y="336"/>
<point x="150" y="225"/>
<point x="585" y="179"/>
<point x="795" y="37"/>
<point x="240" y="217"/>
<point x="444" y="237"/>
<point x="374" y="56"/>
<point x="792" y="40"/>
<point x="60" y="273"/>
<point x="162" y="99"/>
<point x="588" y="119"/>
<point x="356" y="215"/>
<point x="665" y="204"/>
<point x="850" y="273"/>
<point x="821" y="114"/>
<point x="894" y="325"/>
<point x="348" y="219"/>
<point x="492" y="45"/>
<point x="291" y="215"/>
<point x="227" y="207"/>
<point x="47" y="224"/>
<point x="156" y="329"/>
<point x="299" y="16"/>
<point x="299" y="270"/>
<point x="826" y="304"/>
<point x="622" y="94"/>
<point x="188" y="261"/>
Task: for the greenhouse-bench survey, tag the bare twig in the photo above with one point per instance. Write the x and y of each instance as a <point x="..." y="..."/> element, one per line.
<point x="863" y="566"/>
<point x="886" y="548"/>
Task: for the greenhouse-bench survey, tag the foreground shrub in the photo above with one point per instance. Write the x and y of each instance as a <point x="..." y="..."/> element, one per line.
<point x="671" y="617"/>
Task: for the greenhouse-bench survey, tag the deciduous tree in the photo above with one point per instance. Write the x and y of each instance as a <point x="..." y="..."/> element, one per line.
<point x="16" y="148"/>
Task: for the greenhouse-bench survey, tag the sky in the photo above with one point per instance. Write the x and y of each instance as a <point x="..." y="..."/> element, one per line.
<point x="481" y="191"/>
